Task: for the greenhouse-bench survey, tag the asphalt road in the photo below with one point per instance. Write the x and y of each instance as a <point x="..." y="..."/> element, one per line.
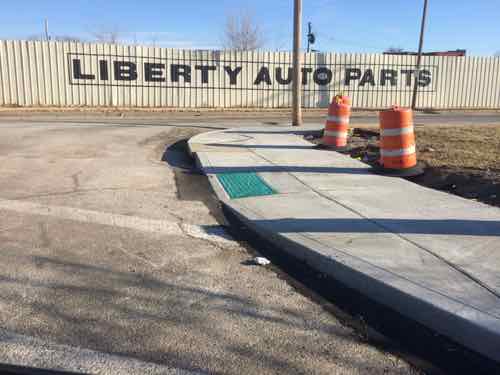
<point x="241" y="118"/>
<point x="112" y="261"/>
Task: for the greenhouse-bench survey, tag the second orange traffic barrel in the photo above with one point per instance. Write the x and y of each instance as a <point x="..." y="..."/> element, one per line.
<point x="397" y="139"/>
<point x="337" y="122"/>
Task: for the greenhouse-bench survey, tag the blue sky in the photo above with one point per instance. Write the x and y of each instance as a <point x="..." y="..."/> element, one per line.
<point x="344" y="26"/>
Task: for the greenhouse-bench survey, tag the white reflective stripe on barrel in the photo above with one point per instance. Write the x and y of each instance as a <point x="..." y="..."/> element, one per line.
<point x="398" y="152"/>
<point x="338" y="119"/>
<point x="397" y="131"/>
<point x="332" y="133"/>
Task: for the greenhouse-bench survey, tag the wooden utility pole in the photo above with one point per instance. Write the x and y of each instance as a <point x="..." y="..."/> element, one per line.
<point x="297" y="81"/>
<point x="419" y="57"/>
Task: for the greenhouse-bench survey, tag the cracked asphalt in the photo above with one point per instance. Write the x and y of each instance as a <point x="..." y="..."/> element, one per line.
<point x="105" y="248"/>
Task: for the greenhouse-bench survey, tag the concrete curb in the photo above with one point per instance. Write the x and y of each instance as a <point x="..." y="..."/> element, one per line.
<point x="469" y="324"/>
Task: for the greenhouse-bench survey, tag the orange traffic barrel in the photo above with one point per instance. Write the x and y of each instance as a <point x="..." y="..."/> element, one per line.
<point x="397" y="142"/>
<point x="344" y="99"/>
<point x="337" y="123"/>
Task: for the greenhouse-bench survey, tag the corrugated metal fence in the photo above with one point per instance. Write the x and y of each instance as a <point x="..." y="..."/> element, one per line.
<point x="36" y="73"/>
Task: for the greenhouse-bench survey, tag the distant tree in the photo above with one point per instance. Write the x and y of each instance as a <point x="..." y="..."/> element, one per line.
<point x="58" y="38"/>
<point x="66" y="38"/>
<point x="242" y="32"/>
<point x="36" y="37"/>
<point x="394" y="50"/>
<point x="108" y="35"/>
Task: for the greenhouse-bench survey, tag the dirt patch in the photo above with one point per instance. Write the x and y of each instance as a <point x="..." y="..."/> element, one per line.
<point x="462" y="160"/>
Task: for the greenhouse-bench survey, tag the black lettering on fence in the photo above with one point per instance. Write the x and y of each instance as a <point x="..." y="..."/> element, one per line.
<point x="180" y="70"/>
<point x="351" y="74"/>
<point x="407" y="73"/>
<point x="305" y="72"/>
<point x="147" y="71"/>
<point x="388" y="75"/>
<point x="77" y="71"/>
<point x="103" y="70"/>
<point x="153" y="72"/>
<point x="322" y="76"/>
<point x="263" y="76"/>
<point x="424" y="78"/>
<point x="125" y="71"/>
<point x="204" y="71"/>
<point x="279" y="76"/>
<point x="368" y="77"/>
<point x="233" y="74"/>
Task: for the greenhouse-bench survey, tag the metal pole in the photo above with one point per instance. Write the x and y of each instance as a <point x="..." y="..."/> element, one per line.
<point x="297" y="82"/>
<point x="308" y="33"/>
<point x="419" y="58"/>
<point x="47" y="38"/>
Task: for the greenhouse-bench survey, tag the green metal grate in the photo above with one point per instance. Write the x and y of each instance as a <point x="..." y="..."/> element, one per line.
<point x="242" y="185"/>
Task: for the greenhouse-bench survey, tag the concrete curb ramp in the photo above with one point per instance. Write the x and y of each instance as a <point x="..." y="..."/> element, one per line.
<point x="431" y="256"/>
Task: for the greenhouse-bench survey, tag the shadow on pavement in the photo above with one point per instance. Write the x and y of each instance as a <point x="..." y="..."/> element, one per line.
<point x="382" y="225"/>
<point x="190" y="183"/>
<point x="263" y="146"/>
<point x="145" y="329"/>
<point x="7" y="369"/>
<point x="375" y="322"/>
<point x="289" y="169"/>
<point x="292" y="132"/>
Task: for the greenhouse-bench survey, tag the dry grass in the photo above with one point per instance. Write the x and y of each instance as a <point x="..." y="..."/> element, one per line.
<point x="462" y="160"/>
<point x="460" y="147"/>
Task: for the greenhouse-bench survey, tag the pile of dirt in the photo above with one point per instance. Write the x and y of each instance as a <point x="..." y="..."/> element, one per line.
<point x="462" y="160"/>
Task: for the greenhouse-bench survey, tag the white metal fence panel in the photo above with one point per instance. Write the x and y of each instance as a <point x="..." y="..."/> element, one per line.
<point x="63" y="74"/>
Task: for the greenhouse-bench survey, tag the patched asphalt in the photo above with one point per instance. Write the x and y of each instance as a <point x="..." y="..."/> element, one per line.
<point x="82" y="279"/>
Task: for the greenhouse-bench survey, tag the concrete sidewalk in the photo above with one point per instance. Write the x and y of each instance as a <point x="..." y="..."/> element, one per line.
<point x="431" y="256"/>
